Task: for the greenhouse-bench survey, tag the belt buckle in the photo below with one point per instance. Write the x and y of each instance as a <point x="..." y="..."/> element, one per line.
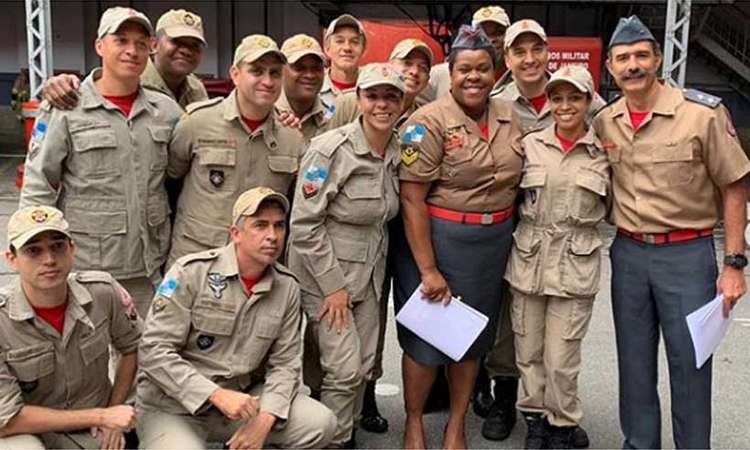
<point x="649" y="238"/>
<point x="486" y="219"/>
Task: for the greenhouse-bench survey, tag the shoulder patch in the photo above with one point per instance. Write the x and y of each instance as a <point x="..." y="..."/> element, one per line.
<point x="414" y="134"/>
<point x="191" y="108"/>
<point x="312" y="180"/>
<point x="93" y="276"/>
<point x="167" y="287"/>
<point x="705" y="99"/>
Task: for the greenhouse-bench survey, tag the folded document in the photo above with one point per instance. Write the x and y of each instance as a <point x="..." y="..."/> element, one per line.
<point x="451" y="328"/>
<point x="707" y="327"/>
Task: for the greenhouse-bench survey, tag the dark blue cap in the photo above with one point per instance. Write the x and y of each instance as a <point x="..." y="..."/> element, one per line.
<point x="472" y="38"/>
<point x="630" y="30"/>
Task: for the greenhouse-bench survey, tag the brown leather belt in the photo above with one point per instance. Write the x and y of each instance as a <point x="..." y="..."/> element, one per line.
<point x="666" y="238"/>
<point x="470" y="218"/>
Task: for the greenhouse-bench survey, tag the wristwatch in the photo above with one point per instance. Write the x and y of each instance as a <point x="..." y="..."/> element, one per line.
<point x="738" y="261"/>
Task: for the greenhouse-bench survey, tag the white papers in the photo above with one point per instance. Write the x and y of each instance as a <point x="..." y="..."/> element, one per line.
<point x="451" y="329"/>
<point x="707" y="327"/>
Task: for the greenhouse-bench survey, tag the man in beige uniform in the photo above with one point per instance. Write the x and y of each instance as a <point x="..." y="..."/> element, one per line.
<point x="105" y="168"/>
<point x="55" y="327"/>
<point x="219" y="317"/>
<point x="303" y="79"/>
<point x="494" y="21"/>
<point x="179" y="51"/>
<point x="225" y="146"/>
<point x="344" y="44"/>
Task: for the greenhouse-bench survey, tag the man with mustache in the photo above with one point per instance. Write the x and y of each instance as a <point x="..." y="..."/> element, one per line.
<point x="178" y="52"/>
<point x="220" y="354"/>
<point x="223" y="147"/>
<point x="676" y="162"/>
<point x="103" y="162"/>
<point x="344" y="44"/>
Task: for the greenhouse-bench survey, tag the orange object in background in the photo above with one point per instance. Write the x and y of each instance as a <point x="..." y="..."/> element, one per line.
<point x="581" y="51"/>
<point x="29" y="113"/>
<point x="382" y="37"/>
<point x="19" y="176"/>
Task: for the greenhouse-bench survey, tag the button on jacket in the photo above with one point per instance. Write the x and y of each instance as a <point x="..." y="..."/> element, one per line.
<point x="206" y="331"/>
<point x="106" y="172"/>
<point x="344" y="196"/>
<point x="220" y="159"/>
<point x="192" y="88"/>
<point x="41" y="367"/>
<point x="556" y="244"/>
<point x="666" y="174"/>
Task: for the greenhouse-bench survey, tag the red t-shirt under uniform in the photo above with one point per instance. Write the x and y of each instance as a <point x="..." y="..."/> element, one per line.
<point x="54" y="316"/>
<point x="538" y="102"/>
<point x="637" y="118"/>
<point x="342" y="86"/>
<point x="123" y="102"/>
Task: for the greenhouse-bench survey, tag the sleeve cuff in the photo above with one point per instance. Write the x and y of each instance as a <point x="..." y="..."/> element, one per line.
<point x="331" y="281"/>
<point x="276" y="405"/>
<point x="196" y="392"/>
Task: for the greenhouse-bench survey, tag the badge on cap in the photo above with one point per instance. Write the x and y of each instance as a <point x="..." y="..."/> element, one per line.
<point x="217" y="282"/>
<point x="188" y="19"/>
<point x="216" y="177"/>
<point x="414" y="134"/>
<point x="409" y="154"/>
<point x="39" y="215"/>
<point x="313" y="181"/>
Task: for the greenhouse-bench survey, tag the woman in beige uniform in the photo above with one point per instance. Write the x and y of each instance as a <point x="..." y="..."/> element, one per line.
<point x="345" y="195"/>
<point x="555" y="262"/>
<point x="459" y="176"/>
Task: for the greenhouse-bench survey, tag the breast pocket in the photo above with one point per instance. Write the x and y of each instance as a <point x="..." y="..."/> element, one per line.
<point x="264" y="332"/>
<point x="283" y="168"/>
<point x="213" y="329"/>
<point x="94" y="153"/>
<point x="160" y="136"/>
<point x="217" y="169"/>
<point x="94" y="348"/>
<point x="363" y="200"/>
<point x="532" y="183"/>
<point x="588" y="193"/>
<point x="34" y="368"/>
<point x="673" y="163"/>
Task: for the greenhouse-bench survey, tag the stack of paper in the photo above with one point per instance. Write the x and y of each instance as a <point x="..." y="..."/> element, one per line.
<point x="451" y="328"/>
<point x="707" y="327"/>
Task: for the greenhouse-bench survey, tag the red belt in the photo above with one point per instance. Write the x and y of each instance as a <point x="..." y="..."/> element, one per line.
<point x="470" y="218"/>
<point x="666" y="238"/>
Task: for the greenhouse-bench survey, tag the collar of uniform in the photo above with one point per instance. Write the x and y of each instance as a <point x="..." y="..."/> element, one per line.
<point x="20" y="309"/>
<point x="589" y="140"/>
<point x="226" y="265"/>
<point x="669" y="98"/>
<point x="267" y="128"/>
<point x="316" y="113"/>
<point x="152" y="78"/>
<point x="91" y="98"/>
<point x="356" y="133"/>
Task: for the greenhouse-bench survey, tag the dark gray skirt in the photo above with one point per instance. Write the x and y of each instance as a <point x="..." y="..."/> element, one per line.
<point x="472" y="259"/>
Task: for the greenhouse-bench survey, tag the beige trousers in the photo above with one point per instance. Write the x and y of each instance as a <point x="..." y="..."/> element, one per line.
<point x="309" y="425"/>
<point x="81" y="440"/>
<point x="548" y="333"/>
<point x="346" y="359"/>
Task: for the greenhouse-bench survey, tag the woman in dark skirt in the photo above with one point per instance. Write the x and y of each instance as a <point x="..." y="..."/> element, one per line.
<point x="459" y="179"/>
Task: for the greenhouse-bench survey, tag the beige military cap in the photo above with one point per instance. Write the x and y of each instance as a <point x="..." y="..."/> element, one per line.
<point x="178" y="23"/>
<point x="28" y="222"/>
<point x="521" y="27"/>
<point x="346" y="20"/>
<point x="254" y="47"/>
<point x="247" y="203"/>
<point x="376" y="74"/>
<point x="403" y="48"/>
<point x="578" y="76"/>
<point x="301" y="45"/>
<point x="490" y="14"/>
<point x="113" y="18"/>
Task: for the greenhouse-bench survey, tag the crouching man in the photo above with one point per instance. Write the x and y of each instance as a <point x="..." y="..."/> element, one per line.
<point x="218" y="317"/>
<point x="55" y="330"/>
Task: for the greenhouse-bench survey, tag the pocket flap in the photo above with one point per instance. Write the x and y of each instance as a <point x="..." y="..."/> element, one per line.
<point x="94" y="347"/>
<point x="160" y="134"/>
<point x="592" y="181"/>
<point x="157" y="211"/>
<point x="93" y="138"/>
<point x="213" y="323"/>
<point x="32" y="363"/>
<point x="672" y="152"/>
<point x="98" y="222"/>
<point x="348" y="250"/>
<point x="533" y="179"/>
<point x="211" y="156"/>
<point x="526" y="241"/>
<point x="280" y="163"/>
<point x="584" y="244"/>
<point x="362" y="188"/>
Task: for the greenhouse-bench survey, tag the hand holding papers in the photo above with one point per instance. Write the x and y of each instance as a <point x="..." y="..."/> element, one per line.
<point x="707" y="327"/>
<point x="450" y="328"/>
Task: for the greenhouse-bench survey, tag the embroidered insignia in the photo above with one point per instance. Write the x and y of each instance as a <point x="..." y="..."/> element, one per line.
<point x="216" y="177"/>
<point x="409" y="154"/>
<point x="313" y="181"/>
<point x="167" y="288"/>
<point x="28" y="386"/>
<point x="217" y="282"/>
<point x="158" y="304"/>
<point x="204" y="341"/>
<point x="188" y="19"/>
<point x="487" y="12"/>
<point x="414" y="134"/>
<point x="329" y="112"/>
<point x="39" y="216"/>
<point x="453" y="139"/>
<point x="40" y="129"/>
<point x="609" y="145"/>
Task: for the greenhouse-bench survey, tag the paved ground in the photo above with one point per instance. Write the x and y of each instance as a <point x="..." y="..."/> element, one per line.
<point x="598" y="380"/>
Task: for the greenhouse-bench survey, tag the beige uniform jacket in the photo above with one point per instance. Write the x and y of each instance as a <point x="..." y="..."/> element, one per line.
<point x="666" y="175"/>
<point x="220" y="159"/>
<point x="556" y="244"/>
<point x="329" y="91"/>
<point x="344" y="196"/>
<point x="315" y="122"/>
<point x="192" y="89"/>
<point x="106" y="173"/>
<point x="40" y="367"/>
<point x="506" y="89"/>
<point x="347" y="111"/>
<point x="205" y="331"/>
<point x="468" y="172"/>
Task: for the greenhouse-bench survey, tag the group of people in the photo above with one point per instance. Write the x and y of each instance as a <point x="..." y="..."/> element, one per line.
<point x="484" y="177"/>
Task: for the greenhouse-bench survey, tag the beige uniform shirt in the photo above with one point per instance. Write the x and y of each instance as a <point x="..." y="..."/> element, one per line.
<point x="555" y="246"/>
<point x="666" y="175"/>
<point x="329" y="91"/>
<point x="468" y="172"/>
<point x="192" y="89"/>
<point x="205" y="331"/>
<point x="38" y="366"/>
<point x="315" y="122"/>
<point x="344" y="196"/>
<point x="220" y="159"/>
<point x="346" y="111"/>
<point x="106" y="173"/>
<point x="530" y="120"/>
